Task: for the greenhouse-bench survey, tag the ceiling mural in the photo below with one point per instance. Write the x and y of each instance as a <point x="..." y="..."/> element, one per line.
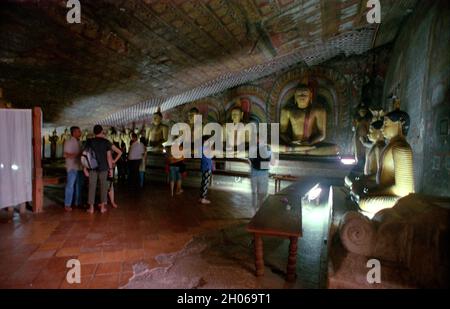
<point x="127" y="57"/>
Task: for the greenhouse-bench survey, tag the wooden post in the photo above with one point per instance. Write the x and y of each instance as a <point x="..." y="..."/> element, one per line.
<point x="292" y="260"/>
<point x="38" y="190"/>
<point x="259" y="255"/>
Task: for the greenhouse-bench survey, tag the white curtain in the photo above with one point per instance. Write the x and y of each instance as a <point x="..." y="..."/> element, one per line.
<point x="16" y="156"/>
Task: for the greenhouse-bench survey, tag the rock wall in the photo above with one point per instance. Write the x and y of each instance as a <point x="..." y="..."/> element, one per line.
<point x="418" y="73"/>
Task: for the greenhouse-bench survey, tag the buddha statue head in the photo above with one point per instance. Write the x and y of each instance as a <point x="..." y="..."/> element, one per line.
<point x="303" y="96"/>
<point x="191" y="114"/>
<point x="363" y="112"/>
<point x="396" y="123"/>
<point x="237" y="115"/>
<point x="375" y="134"/>
<point x="157" y="118"/>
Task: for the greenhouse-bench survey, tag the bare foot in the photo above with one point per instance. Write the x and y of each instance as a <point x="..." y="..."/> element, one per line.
<point x="90" y="210"/>
<point x="68" y="208"/>
<point x="114" y="205"/>
<point x="205" y="201"/>
<point x="103" y="209"/>
<point x="179" y="192"/>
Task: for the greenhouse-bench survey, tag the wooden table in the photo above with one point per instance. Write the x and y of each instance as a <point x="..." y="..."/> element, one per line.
<point x="273" y="219"/>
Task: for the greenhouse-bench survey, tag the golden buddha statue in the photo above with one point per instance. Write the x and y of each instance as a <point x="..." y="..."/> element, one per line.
<point x="373" y="156"/>
<point x="157" y="133"/>
<point x="232" y="131"/>
<point x="303" y="127"/>
<point x="360" y="127"/>
<point x="395" y="176"/>
<point x="53" y="139"/>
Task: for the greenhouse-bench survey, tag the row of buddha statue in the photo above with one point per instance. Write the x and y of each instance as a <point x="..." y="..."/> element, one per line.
<point x="388" y="170"/>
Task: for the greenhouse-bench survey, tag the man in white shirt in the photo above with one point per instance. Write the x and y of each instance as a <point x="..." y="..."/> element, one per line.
<point x="72" y="153"/>
<point x="135" y="156"/>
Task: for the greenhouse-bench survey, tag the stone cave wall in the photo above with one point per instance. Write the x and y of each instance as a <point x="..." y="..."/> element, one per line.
<point x="418" y="73"/>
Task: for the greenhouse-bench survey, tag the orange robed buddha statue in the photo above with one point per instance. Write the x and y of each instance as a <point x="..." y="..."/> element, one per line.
<point x="307" y="123"/>
<point x="395" y="176"/>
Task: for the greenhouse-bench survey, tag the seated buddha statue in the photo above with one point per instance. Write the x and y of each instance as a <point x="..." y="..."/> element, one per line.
<point x="395" y="176"/>
<point x="157" y="133"/>
<point x="232" y="136"/>
<point x="373" y="156"/>
<point x="360" y="127"/>
<point x="307" y="123"/>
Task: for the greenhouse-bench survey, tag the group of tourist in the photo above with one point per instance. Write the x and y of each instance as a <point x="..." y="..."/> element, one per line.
<point x="109" y="155"/>
<point x="106" y="156"/>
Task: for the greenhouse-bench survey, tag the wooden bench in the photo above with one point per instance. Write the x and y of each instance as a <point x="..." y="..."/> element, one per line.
<point x="279" y="178"/>
<point x="274" y="219"/>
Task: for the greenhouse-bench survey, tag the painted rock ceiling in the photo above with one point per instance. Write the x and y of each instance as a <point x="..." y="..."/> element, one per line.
<point x="127" y="57"/>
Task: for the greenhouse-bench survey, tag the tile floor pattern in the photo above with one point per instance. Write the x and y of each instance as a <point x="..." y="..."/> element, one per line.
<point x="34" y="249"/>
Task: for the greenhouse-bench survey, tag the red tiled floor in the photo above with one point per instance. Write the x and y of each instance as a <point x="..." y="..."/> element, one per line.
<point x="108" y="268"/>
<point x="69" y="251"/>
<point x="84" y="283"/>
<point x="34" y="251"/>
<point x="113" y="256"/>
<point x="88" y="269"/>
<point x="42" y="254"/>
<point x="110" y="281"/>
<point x="48" y="279"/>
<point x="124" y="278"/>
<point x="91" y="258"/>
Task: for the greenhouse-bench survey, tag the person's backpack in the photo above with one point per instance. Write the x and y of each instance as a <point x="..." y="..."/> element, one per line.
<point x="88" y="158"/>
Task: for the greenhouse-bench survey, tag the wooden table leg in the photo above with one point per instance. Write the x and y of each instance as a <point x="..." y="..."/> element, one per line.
<point x="292" y="260"/>
<point x="259" y="255"/>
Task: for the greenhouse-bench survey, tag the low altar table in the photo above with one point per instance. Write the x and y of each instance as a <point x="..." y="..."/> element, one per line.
<point x="274" y="219"/>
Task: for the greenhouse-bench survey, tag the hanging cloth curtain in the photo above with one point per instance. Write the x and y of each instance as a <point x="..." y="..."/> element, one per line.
<point x="16" y="156"/>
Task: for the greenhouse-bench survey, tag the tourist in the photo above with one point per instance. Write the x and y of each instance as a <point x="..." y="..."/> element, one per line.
<point x="102" y="149"/>
<point x="143" y="163"/>
<point x="176" y="168"/>
<point x="111" y="179"/>
<point x="135" y="156"/>
<point x="74" y="184"/>
<point x="206" y="166"/>
<point x="259" y="175"/>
